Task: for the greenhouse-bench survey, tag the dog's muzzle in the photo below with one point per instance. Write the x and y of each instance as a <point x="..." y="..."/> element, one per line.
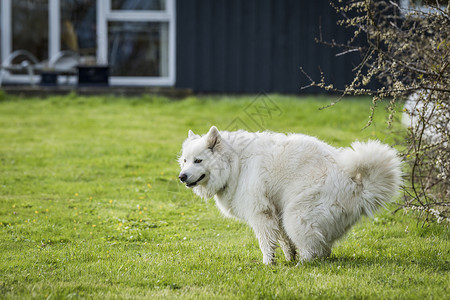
<point x="183" y="178"/>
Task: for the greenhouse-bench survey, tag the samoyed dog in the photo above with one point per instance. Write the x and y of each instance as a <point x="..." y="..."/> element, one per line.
<point x="293" y="190"/>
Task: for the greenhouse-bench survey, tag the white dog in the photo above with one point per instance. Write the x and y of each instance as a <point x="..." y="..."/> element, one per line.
<point x="291" y="189"/>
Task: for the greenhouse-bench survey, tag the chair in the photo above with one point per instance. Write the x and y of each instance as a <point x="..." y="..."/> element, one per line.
<point x="63" y="63"/>
<point x="19" y="61"/>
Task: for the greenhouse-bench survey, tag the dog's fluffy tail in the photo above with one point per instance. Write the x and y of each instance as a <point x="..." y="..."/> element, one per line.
<point x="376" y="169"/>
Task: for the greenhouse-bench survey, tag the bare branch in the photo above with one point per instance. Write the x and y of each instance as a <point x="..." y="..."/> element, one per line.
<point x="410" y="54"/>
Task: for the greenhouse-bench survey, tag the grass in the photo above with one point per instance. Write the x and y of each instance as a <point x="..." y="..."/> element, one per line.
<point x="90" y="207"/>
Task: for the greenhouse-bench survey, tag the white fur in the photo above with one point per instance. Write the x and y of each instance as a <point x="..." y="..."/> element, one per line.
<point x="293" y="190"/>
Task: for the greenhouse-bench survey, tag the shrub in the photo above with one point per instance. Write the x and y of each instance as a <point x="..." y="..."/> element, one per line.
<point x="407" y="52"/>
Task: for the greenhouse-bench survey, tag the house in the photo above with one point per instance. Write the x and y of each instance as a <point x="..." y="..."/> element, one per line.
<point x="208" y="46"/>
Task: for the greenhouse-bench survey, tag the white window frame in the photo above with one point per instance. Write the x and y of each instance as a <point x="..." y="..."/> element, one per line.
<point x="105" y="14"/>
<point x="6" y="29"/>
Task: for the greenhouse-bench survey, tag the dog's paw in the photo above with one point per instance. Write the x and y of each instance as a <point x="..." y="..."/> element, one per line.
<point x="268" y="260"/>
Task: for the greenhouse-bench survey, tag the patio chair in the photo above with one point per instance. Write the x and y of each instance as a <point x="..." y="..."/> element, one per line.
<point x="63" y="63"/>
<point x="19" y="61"/>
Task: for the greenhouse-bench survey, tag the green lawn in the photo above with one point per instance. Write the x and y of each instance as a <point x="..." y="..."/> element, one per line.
<point x="90" y="207"/>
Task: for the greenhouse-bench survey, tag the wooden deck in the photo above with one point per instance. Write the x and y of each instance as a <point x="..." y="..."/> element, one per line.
<point x="43" y="91"/>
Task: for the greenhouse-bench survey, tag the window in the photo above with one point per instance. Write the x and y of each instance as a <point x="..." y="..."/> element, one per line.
<point x="138" y="5"/>
<point x="421" y="5"/>
<point x="30" y="27"/>
<point x="136" y="38"/>
<point x="138" y="48"/>
<point x="418" y="3"/>
<point x="78" y="27"/>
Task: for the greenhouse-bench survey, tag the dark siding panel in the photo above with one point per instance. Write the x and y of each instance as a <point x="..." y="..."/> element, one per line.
<point x="233" y="48"/>
<point x="252" y="46"/>
<point x="280" y="42"/>
<point x="330" y="64"/>
<point x="205" y="60"/>
<point x="325" y="52"/>
<point x="219" y="40"/>
<point x="296" y="49"/>
<point x="338" y="61"/>
<point x="185" y="62"/>
<point x="248" y="66"/>
<point x="264" y="45"/>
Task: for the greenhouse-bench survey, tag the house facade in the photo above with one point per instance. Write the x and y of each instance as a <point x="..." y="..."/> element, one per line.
<point x="209" y="46"/>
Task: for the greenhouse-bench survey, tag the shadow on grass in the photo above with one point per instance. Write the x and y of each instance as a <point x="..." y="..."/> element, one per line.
<point x="431" y="263"/>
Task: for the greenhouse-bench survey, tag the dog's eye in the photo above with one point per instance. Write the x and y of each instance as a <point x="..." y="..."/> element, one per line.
<point x="185" y="160"/>
<point x="197" y="161"/>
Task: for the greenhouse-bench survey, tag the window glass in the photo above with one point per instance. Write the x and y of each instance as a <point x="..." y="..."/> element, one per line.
<point x="138" y="5"/>
<point x="30" y="27"/>
<point x="78" y="26"/>
<point x="428" y="2"/>
<point x="138" y="48"/>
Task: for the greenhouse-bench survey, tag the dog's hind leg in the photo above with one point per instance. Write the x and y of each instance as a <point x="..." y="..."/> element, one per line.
<point x="304" y="231"/>
<point x="266" y="228"/>
<point x="287" y="246"/>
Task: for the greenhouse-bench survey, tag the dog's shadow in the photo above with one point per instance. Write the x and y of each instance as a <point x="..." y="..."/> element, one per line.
<point x="363" y="262"/>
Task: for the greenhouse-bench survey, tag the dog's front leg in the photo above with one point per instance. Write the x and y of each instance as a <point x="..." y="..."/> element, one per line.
<point x="267" y="231"/>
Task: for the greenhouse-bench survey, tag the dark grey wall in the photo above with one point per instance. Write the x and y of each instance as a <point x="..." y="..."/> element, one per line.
<point x="251" y="46"/>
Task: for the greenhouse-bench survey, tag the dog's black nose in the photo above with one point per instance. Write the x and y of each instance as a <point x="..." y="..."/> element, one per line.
<point x="182" y="177"/>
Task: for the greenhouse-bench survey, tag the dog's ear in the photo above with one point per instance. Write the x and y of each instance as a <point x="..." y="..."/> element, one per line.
<point x="213" y="138"/>
<point x="191" y="134"/>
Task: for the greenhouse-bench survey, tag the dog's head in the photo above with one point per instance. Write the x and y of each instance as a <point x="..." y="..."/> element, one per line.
<point x="205" y="163"/>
